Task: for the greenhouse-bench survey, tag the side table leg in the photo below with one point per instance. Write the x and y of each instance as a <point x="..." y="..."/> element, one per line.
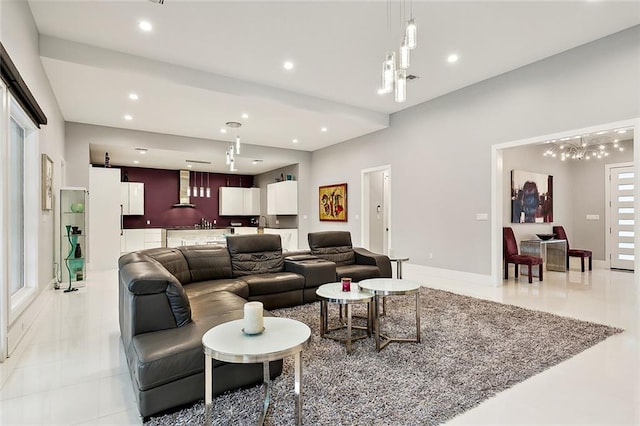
<point x="298" y="387"/>
<point x="208" y="389"/>
<point x="348" y="307"/>
<point x="267" y="391"/>
<point x="418" y="316"/>
<point x="376" y="320"/>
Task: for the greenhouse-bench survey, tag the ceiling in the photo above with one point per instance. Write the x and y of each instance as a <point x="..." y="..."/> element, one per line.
<point x="205" y="63"/>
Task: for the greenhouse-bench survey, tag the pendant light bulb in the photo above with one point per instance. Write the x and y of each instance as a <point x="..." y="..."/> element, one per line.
<point x="388" y="70"/>
<point x="401" y="86"/>
<point x="238" y="144"/>
<point x="412" y="34"/>
<point x="208" y="192"/>
<point x="228" y="158"/>
<point x="404" y="55"/>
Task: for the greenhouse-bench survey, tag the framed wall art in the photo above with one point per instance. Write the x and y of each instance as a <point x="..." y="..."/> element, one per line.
<point x="47" y="182"/>
<point x="333" y="203"/>
<point x="531" y="197"/>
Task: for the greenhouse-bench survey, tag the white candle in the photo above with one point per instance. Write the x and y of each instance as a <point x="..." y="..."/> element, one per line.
<point x="253" y="323"/>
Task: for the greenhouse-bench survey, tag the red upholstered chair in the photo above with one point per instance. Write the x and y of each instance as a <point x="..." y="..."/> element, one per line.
<point x="510" y="254"/>
<point x="561" y="235"/>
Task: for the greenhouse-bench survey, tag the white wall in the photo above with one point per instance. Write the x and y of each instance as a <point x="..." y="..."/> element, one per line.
<point x="440" y="151"/>
<point x="19" y="36"/>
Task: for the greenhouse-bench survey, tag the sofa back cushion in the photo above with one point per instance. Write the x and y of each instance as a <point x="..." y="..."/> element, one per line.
<point x="334" y="246"/>
<point x="255" y="254"/>
<point x="173" y="261"/>
<point x="207" y="262"/>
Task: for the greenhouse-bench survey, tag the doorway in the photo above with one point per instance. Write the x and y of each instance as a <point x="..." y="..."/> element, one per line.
<point x="376" y="209"/>
<point x="497" y="183"/>
<point x="620" y="216"/>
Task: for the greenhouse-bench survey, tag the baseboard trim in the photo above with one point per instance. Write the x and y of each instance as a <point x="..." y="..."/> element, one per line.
<point x="424" y="274"/>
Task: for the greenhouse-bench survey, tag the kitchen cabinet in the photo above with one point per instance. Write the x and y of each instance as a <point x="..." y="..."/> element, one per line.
<point x="289" y="237"/>
<point x="132" y="198"/>
<point x="73" y="234"/>
<point x="234" y="201"/>
<point x="140" y="239"/>
<point x="282" y="198"/>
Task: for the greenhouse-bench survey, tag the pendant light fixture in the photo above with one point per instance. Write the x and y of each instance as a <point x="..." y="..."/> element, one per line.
<point x="194" y="190"/>
<point x="208" y="187"/>
<point x="201" y="187"/>
<point x="394" y="74"/>
<point x="236" y="125"/>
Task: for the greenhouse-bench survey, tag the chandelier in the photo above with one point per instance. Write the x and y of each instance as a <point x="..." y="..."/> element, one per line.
<point x="234" y="149"/>
<point x="394" y="73"/>
<point x="581" y="148"/>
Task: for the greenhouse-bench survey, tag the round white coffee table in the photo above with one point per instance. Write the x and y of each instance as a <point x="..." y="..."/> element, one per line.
<point x="333" y="293"/>
<point x="381" y="287"/>
<point x="282" y="337"/>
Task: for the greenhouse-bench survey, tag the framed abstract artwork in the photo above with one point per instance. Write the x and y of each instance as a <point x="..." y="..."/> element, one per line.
<point x="47" y="182"/>
<point x="531" y="197"/>
<point x="333" y="203"/>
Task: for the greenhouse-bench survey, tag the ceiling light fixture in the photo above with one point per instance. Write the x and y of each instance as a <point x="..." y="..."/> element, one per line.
<point x="245" y="115"/>
<point x="323" y="129"/>
<point x="142" y="150"/>
<point x="133" y="96"/>
<point x="128" y="117"/>
<point x="236" y="125"/>
<point x="394" y="75"/>
<point x="581" y="148"/>
<point x="288" y="65"/>
<point x="295" y="141"/>
<point x="453" y="58"/>
<point x="145" y="26"/>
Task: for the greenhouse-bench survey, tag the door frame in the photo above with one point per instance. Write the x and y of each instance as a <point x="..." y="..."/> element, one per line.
<point x="607" y="215"/>
<point x="365" y="174"/>
<point x="497" y="185"/>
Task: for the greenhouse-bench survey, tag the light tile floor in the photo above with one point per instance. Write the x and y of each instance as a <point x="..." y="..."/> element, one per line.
<point x="70" y="369"/>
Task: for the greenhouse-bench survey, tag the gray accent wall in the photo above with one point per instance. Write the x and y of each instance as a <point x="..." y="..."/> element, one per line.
<point x="440" y="151"/>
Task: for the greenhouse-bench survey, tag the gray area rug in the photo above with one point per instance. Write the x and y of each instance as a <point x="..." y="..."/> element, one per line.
<point x="471" y="349"/>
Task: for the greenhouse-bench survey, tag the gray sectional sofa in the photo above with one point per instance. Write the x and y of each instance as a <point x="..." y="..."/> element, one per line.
<point x="169" y="297"/>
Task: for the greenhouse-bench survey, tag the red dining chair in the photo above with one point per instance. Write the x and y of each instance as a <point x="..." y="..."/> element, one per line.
<point x="510" y="254"/>
<point x="561" y="235"/>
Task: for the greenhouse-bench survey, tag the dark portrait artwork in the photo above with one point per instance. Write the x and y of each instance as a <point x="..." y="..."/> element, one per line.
<point x="531" y="197"/>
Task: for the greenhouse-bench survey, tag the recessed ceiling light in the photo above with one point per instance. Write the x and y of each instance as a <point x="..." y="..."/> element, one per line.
<point x="621" y="131"/>
<point x="145" y="25"/>
<point x="324" y="129"/>
<point x="128" y="117"/>
<point x="133" y="96"/>
<point x="223" y="130"/>
<point x="453" y="58"/>
<point x="136" y="162"/>
<point x="142" y="150"/>
<point x="257" y="161"/>
<point x="288" y="65"/>
<point x="601" y="133"/>
<point x="245" y="115"/>
<point x="295" y="141"/>
<point x="189" y="166"/>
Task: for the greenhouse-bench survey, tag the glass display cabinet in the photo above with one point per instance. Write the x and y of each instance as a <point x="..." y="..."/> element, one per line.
<point x="73" y="234"/>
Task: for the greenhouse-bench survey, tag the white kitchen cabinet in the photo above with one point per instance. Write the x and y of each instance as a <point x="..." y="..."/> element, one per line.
<point x="132" y="198"/>
<point x="244" y="230"/>
<point x="289" y="237"/>
<point x="140" y="239"/>
<point x="282" y="198"/>
<point x="234" y="201"/>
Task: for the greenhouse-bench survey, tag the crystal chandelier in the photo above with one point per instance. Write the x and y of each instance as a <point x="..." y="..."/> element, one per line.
<point x="394" y="73"/>
<point x="581" y="148"/>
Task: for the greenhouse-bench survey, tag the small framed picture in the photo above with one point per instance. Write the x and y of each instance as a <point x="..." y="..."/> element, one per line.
<point x="47" y="182"/>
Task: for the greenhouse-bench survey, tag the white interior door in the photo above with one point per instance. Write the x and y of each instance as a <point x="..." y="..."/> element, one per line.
<point x="622" y="217"/>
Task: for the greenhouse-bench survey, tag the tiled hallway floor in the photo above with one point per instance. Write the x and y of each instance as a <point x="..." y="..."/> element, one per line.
<point x="70" y="369"/>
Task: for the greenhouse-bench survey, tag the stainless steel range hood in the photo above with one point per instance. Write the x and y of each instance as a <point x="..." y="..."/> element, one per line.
<point x="184" y="187"/>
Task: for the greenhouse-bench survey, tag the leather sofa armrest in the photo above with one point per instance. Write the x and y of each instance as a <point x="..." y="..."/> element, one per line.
<point x="315" y="271"/>
<point x="365" y="257"/>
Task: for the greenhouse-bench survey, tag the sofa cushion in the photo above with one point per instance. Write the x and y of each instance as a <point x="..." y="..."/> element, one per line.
<point x="357" y="272"/>
<point x="173" y="260"/>
<point x="168" y="355"/>
<point x="255" y="254"/>
<point x="334" y="246"/>
<point x="273" y="283"/>
<point x="235" y="286"/>
<point x="207" y="262"/>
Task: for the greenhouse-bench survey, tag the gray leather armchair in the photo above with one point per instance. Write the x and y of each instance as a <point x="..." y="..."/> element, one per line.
<point x="353" y="262"/>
